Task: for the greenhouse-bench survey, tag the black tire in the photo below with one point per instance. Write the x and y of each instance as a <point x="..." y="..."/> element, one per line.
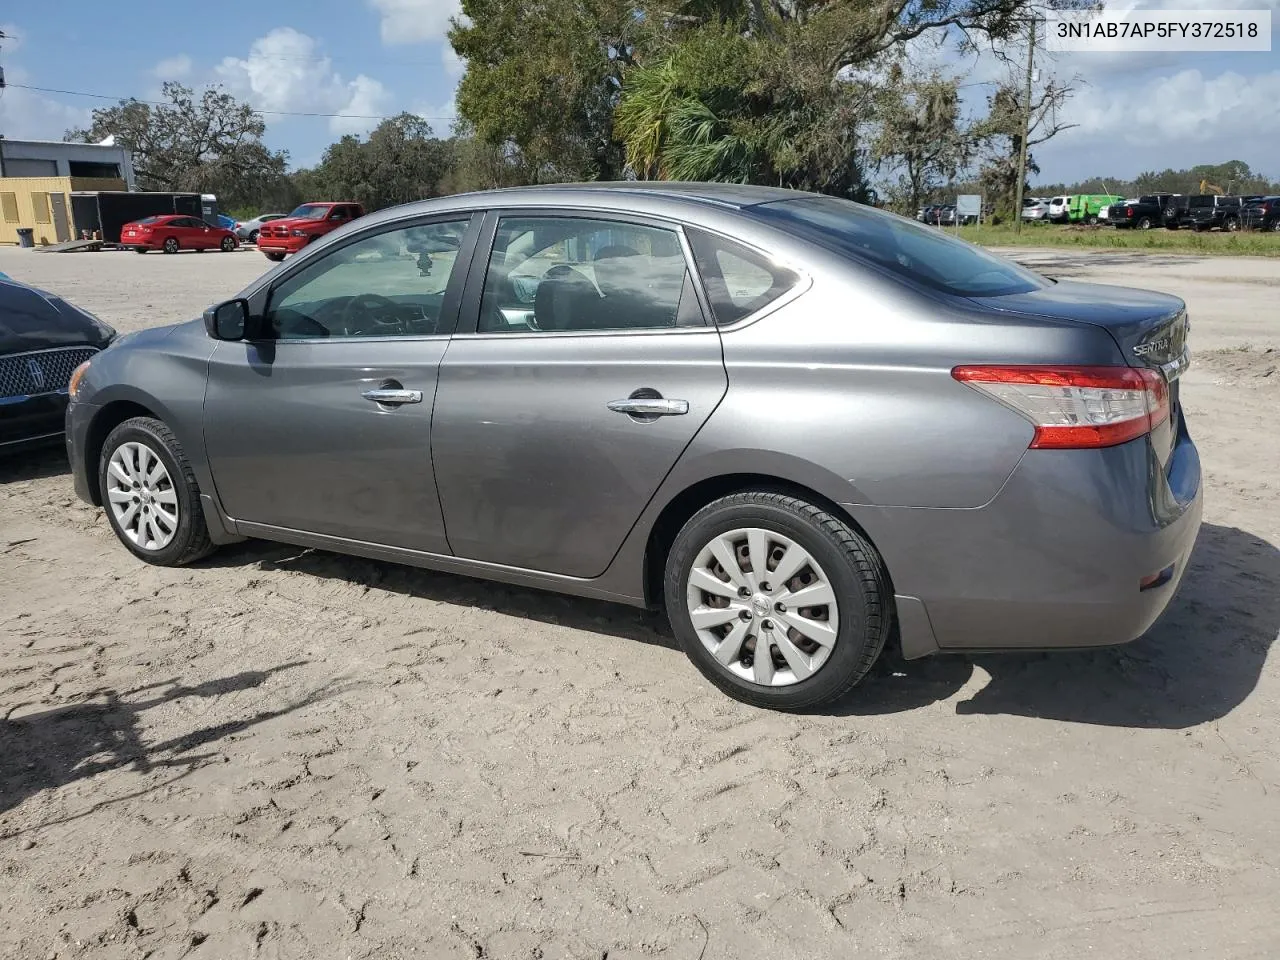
<point x="139" y="249"/>
<point x="1273" y="226"/>
<point x="1231" y="225"/>
<point x="852" y="566"/>
<point x="191" y="541"/>
<point x="171" y="245"/>
<point x="253" y="236"/>
<point x="1144" y="223"/>
<point x="1091" y="220"/>
<point x="228" y="244"/>
<point x="275" y="257"/>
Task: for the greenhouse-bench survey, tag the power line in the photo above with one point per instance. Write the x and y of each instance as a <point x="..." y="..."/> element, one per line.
<point x="266" y="113"/>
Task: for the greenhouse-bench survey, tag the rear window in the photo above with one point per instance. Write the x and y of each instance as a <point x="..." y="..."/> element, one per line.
<point x="902" y="247"/>
<point x="151" y="219"/>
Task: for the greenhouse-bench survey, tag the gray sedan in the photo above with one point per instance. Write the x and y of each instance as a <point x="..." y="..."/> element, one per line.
<point x="248" y="230"/>
<point x="806" y="427"/>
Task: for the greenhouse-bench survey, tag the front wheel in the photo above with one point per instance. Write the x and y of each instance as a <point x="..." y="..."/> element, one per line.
<point x="779" y="603"/>
<point x="253" y="236"/>
<point x="171" y="245"/>
<point x="1232" y="225"/>
<point x="150" y="494"/>
<point x="275" y="257"/>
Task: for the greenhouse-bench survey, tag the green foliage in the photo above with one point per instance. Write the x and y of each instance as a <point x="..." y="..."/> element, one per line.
<point x="1109" y="238"/>
<point x="212" y="145"/>
<point x="919" y="134"/>
<point x="401" y="161"/>
<point x="542" y="79"/>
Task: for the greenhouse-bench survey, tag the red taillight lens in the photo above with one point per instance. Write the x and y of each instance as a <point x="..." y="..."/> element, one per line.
<point x="1076" y="407"/>
<point x="1128" y="211"/>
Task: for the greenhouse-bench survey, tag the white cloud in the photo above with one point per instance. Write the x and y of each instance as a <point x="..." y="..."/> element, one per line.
<point x="285" y="71"/>
<point x="454" y="65"/>
<point x="173" y="68"/>
<point x="1186" y="107"/>
<point x="28" y="115"/>
<point x="414" y="21"/>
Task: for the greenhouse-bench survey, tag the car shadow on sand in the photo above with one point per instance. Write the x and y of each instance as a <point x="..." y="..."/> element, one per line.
<point x="49" y="749"/>
<point x="1200" y="661"/>
<point x="38" y="463"/>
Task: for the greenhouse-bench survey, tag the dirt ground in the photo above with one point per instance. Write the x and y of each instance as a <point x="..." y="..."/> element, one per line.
<point x="283" y="753"/>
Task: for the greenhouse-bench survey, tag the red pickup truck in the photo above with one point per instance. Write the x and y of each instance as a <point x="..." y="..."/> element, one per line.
<point x="311" y="220"/>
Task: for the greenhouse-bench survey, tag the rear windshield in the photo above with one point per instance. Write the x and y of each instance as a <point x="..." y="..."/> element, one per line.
<point x="311" y="211"/>
<point x="920" y="253"/>
<point x="151" y="219"/>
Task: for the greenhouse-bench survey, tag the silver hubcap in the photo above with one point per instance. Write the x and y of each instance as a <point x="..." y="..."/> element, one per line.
<point x="763" y="607"/>
<point x="141" y="496"/>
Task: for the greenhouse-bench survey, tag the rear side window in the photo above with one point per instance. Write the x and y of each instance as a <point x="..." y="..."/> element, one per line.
<point x="738" y="280"/>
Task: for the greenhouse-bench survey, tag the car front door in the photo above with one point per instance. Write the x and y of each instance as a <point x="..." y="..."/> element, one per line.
<point x="582" y="369"/>
<point x="322" y="422"/>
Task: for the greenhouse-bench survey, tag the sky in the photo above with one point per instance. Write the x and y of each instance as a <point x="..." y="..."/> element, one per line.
<point x="366" y="59"/>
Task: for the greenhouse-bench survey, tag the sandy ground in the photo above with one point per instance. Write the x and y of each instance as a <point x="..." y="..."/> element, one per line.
<point x="289" y="754"/>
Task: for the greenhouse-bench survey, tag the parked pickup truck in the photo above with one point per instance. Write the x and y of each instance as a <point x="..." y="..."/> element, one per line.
<point x="305" y="224"/>
<point x="1205" y="211"/>
<point x="1145" y="212"/>
<point x="1261" y="214"/>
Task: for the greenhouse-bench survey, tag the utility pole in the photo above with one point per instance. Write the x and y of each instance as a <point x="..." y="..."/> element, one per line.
<point x="1026" y="128"/>
<point x="3" y="37"/>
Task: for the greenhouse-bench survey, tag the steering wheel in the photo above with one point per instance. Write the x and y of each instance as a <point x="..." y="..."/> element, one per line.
<point x="373" y="304"/>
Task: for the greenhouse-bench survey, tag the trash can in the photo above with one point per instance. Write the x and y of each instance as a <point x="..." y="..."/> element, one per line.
<point x="26" y="237"/>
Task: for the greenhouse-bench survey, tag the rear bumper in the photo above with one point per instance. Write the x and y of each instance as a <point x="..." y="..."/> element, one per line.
<point x="1055" y="560"/>
<point x="30" y="421"/>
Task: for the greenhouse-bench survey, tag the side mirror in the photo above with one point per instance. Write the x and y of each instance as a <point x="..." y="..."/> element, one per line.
<point x="227" y="321"/>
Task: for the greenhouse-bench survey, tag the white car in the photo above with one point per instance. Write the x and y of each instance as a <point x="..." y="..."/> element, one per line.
<point x="1058" y="208"/>
<point x="1035" y="209"/>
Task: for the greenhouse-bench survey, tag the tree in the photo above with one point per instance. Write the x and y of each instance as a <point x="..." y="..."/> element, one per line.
<point x="400" y="161"/>
<point x="999" y="136"/>
<point x="546" y="79"/>
<point x="212" y="144"/>
<point x="542" y="80"/>
<point x="919" y="134"/>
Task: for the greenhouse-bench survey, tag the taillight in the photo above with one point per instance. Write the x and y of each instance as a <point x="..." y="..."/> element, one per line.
<point x="1076" y="407"/>
<point x="1128" y="211"/>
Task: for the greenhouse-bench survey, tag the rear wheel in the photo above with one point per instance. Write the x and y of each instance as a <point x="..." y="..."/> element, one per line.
<point x="1231" y="225"/>
<point x="1273" y="226"/>
<point x="228" y="244"/>
<point x="779" y="603"/>
<point x="150" y="494"/>
<point x="171" y="245"/>
<point x="1144" y="223"/>
<point x="139" y="249"/>
<point x="253" y="236"/>
<point x="1091" y="221"/>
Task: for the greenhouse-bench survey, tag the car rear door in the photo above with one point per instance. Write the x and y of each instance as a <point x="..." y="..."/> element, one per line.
<point x="582" y="368"/>
<point x="321" y="422"/>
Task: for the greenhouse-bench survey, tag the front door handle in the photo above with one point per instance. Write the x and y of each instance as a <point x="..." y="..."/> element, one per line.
<point x="393" y="397"/>
<point x="650" y="407"/>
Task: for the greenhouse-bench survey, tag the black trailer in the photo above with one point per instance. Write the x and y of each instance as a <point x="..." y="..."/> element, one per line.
<point x="104" y="212"/>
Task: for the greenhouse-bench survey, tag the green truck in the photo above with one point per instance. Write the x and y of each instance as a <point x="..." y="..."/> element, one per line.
<point x="1084" y="207"/>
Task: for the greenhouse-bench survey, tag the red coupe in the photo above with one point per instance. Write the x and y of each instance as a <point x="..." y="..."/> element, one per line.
<point x="173" y="232"/>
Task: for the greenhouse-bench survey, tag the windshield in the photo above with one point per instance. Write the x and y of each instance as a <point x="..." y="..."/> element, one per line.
<point x="310" y="211"/>
<point x="903" y="247"/>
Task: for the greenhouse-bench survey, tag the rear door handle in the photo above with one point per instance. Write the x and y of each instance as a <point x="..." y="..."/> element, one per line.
<point x="650" y="407"/>
<point x="393" y="397"/>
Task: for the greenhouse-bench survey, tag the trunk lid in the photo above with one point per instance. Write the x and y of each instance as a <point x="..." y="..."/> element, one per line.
<point x="1149" y="328"/>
